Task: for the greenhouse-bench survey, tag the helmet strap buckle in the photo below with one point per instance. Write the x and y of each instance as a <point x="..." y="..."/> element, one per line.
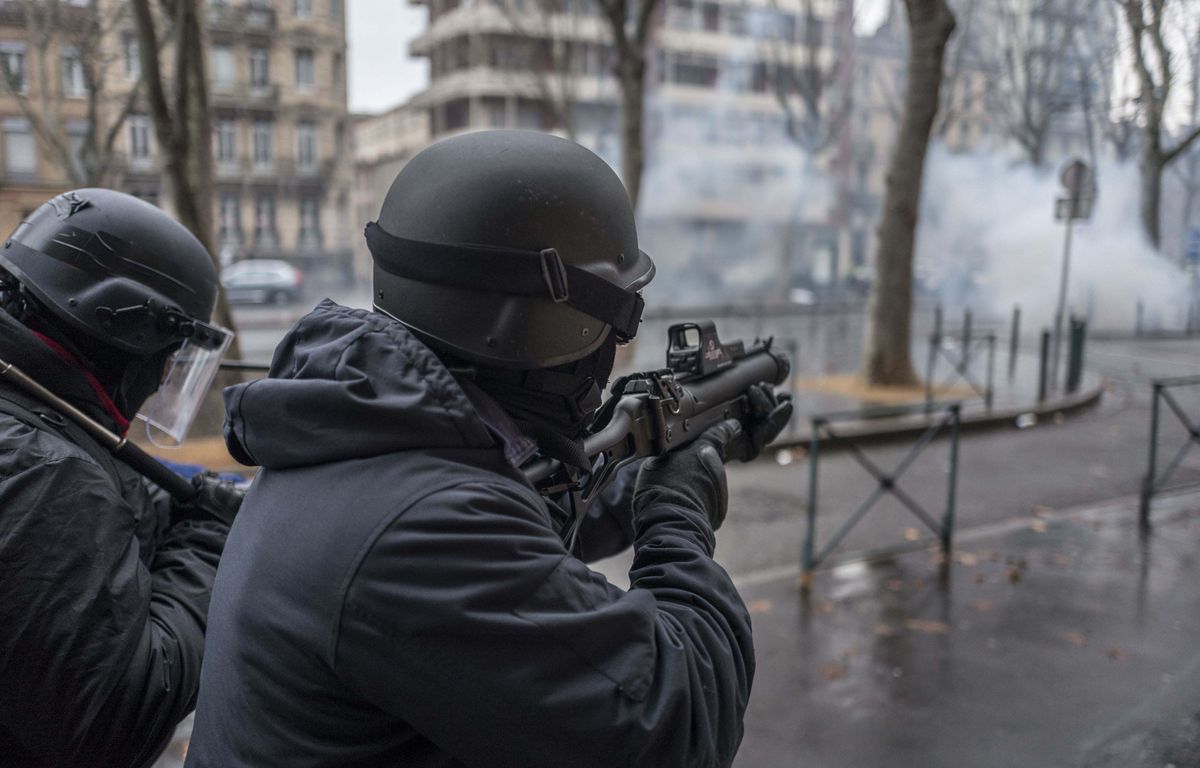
<point x="554" y="273"/>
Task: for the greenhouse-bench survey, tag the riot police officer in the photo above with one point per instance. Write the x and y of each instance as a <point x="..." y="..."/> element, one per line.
<point x="394" y="592"/>
<point x="104" y="583"/>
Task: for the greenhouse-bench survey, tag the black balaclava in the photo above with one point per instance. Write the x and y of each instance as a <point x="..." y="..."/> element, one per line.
<point x="128" y="379"/>
<point x="554" y="405"/>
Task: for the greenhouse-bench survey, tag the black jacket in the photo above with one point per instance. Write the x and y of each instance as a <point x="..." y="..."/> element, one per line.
<point x="393" y="591"/>
<point x="102" y="601"/>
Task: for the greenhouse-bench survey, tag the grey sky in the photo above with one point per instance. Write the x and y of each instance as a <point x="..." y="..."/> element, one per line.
<point x="381" y="72"/>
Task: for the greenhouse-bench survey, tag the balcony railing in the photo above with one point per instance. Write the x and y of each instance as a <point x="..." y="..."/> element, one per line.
<point x="244" y="94"/>
<point x="241" y="18"/>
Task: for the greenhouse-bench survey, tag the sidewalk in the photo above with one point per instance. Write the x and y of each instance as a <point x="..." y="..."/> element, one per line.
<point x="1066" y="640"/>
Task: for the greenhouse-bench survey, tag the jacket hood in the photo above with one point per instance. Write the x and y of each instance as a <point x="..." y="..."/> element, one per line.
<point x="19" y="346"/>
<point x="348" y="383"/>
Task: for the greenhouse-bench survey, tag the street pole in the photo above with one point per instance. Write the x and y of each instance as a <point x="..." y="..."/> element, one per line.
<point x="1062" y="306"/>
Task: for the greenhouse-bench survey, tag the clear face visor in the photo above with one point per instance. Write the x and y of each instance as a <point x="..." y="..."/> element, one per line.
<point x="189" y="373"/>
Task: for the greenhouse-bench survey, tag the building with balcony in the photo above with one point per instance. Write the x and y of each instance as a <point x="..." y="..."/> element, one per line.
<point x="281" y="163"/>
<point x="732" y="203"/>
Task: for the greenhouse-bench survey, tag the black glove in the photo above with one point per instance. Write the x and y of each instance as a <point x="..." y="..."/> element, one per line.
<point x="768" y="415"/>
<point x="692" y="477"/>
<point x="215" y="499"/>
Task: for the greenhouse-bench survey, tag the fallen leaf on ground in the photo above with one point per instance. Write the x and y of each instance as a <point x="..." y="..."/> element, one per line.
<point x="884" y="630"/>
<point x="825" y="606"/>
<point x="1059" y="419"/>
<point x="1041" y="510"/>
<point x="966" y="558"/>
<point x="1076" y="639"/>
<point x="911" y="534"/>
<point x="849" y="653"/>
<point x="1039" y="526"/>
<point x="1117" y="654"/>
<point x="983" y="606"/>
<point x="760" y="606"/>
<point x="1063" y="561"/>
<point x="928" y="626"/>
<point x="834" y="670"/>
<point x="980" y="578"/>
<point x="1014" y="574"/>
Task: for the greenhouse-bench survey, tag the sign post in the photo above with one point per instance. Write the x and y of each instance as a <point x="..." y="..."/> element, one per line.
<point x="1080" y="187"/>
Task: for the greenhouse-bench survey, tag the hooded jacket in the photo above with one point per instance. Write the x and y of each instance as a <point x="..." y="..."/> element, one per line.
<point x="102" y="600"/>
<point x="394" y="592"/>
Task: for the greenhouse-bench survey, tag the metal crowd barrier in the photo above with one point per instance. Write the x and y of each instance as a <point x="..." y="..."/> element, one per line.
<point x="970" y="348"/>
<point x="1153" y="481"/>
<point x="823" y="433"/>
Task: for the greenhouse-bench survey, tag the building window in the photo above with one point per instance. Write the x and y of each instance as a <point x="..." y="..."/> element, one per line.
<point x="336" y="9"/>
<point x="306" y="146"/>
<point x="77" y="131"/>
<point x="696" y="70"/>
<point x="310" y="223"/>
<point x="262" y="143"/>
<point x="139" y="137"/>
<point x="305" y="77"/>
<point x="73" y="84"/>
<point x="224" y="70"/>
<point x="225" y="141"/>
<point x="12" y="59"/>
<point x="230" y="218"/>
<point x="260" y="67"/>
<point x="264" y="220"/>
<point x="304" y="9"/>
<point x="131" y="57"/>
<point x="20" y="150"/>
<point x="338" y="72"/>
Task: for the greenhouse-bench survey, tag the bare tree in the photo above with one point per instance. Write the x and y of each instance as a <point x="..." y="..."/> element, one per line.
<point x="1111" y="116"/>
<point x="962" y="54"/>
<point x="1155" y="71"/>
<point x="548" y="34"/>
<point x="813" y="95"/>
<point x="179" y="107"/>
<point x="54" y="27"/>
<point x="889" y="310"/>
<point x="631" y="22"/>
<point x="1035" y="62"/>
<point x="1188" y="169"/>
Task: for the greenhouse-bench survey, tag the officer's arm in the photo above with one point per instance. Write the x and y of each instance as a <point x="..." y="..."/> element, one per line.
<point x="468" y="620"/>
<point x="102" y="652"/>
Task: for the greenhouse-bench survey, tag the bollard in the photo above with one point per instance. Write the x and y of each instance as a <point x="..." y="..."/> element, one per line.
<point x="991" y="370"/>
<point x="1043" y="365"/>
<point x="964" y="358"/>
<point x="1075" y="361"/>
<point x="1014" y="341"/>
<point x="1138" y="318"/>
<point x="935" y="343"/>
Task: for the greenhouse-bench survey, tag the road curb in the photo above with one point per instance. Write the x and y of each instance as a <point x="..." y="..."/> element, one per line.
<point x="886" y="430"/>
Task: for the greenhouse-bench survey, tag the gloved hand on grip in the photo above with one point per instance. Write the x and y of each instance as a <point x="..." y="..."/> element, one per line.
<point x="768" y="414"/>
<point x="692" y="477"/>
<point x="216" y="499"/>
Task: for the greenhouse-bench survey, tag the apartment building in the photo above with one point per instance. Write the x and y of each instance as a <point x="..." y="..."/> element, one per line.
<point x="726" y="178"/>
<point x="282" y="171"/>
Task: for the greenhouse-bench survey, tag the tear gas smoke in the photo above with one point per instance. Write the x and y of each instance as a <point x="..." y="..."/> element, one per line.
<point x="987" y="239"/>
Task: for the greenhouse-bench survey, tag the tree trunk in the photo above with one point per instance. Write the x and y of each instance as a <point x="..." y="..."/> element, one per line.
<point x="889" y="311"/>
<point x="1151" y="173"/>
<point x="632" y="78"/>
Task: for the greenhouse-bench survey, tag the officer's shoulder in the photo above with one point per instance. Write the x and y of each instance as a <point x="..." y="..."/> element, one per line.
<point x="25" y="448"/>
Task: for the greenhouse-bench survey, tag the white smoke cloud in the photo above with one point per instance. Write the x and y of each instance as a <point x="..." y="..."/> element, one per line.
<point x="988" y="239"/>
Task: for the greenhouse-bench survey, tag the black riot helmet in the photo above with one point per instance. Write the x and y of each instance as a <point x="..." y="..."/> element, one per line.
<point x="116" y="269"/>
<point x="509" y="249"/>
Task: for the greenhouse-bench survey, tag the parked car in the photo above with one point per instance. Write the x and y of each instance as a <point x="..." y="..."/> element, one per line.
<point x="262" y="281"/>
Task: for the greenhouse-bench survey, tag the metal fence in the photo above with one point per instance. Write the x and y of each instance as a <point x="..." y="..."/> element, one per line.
<point x="945" y="417"/>
<point x="1154" y="481"/>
